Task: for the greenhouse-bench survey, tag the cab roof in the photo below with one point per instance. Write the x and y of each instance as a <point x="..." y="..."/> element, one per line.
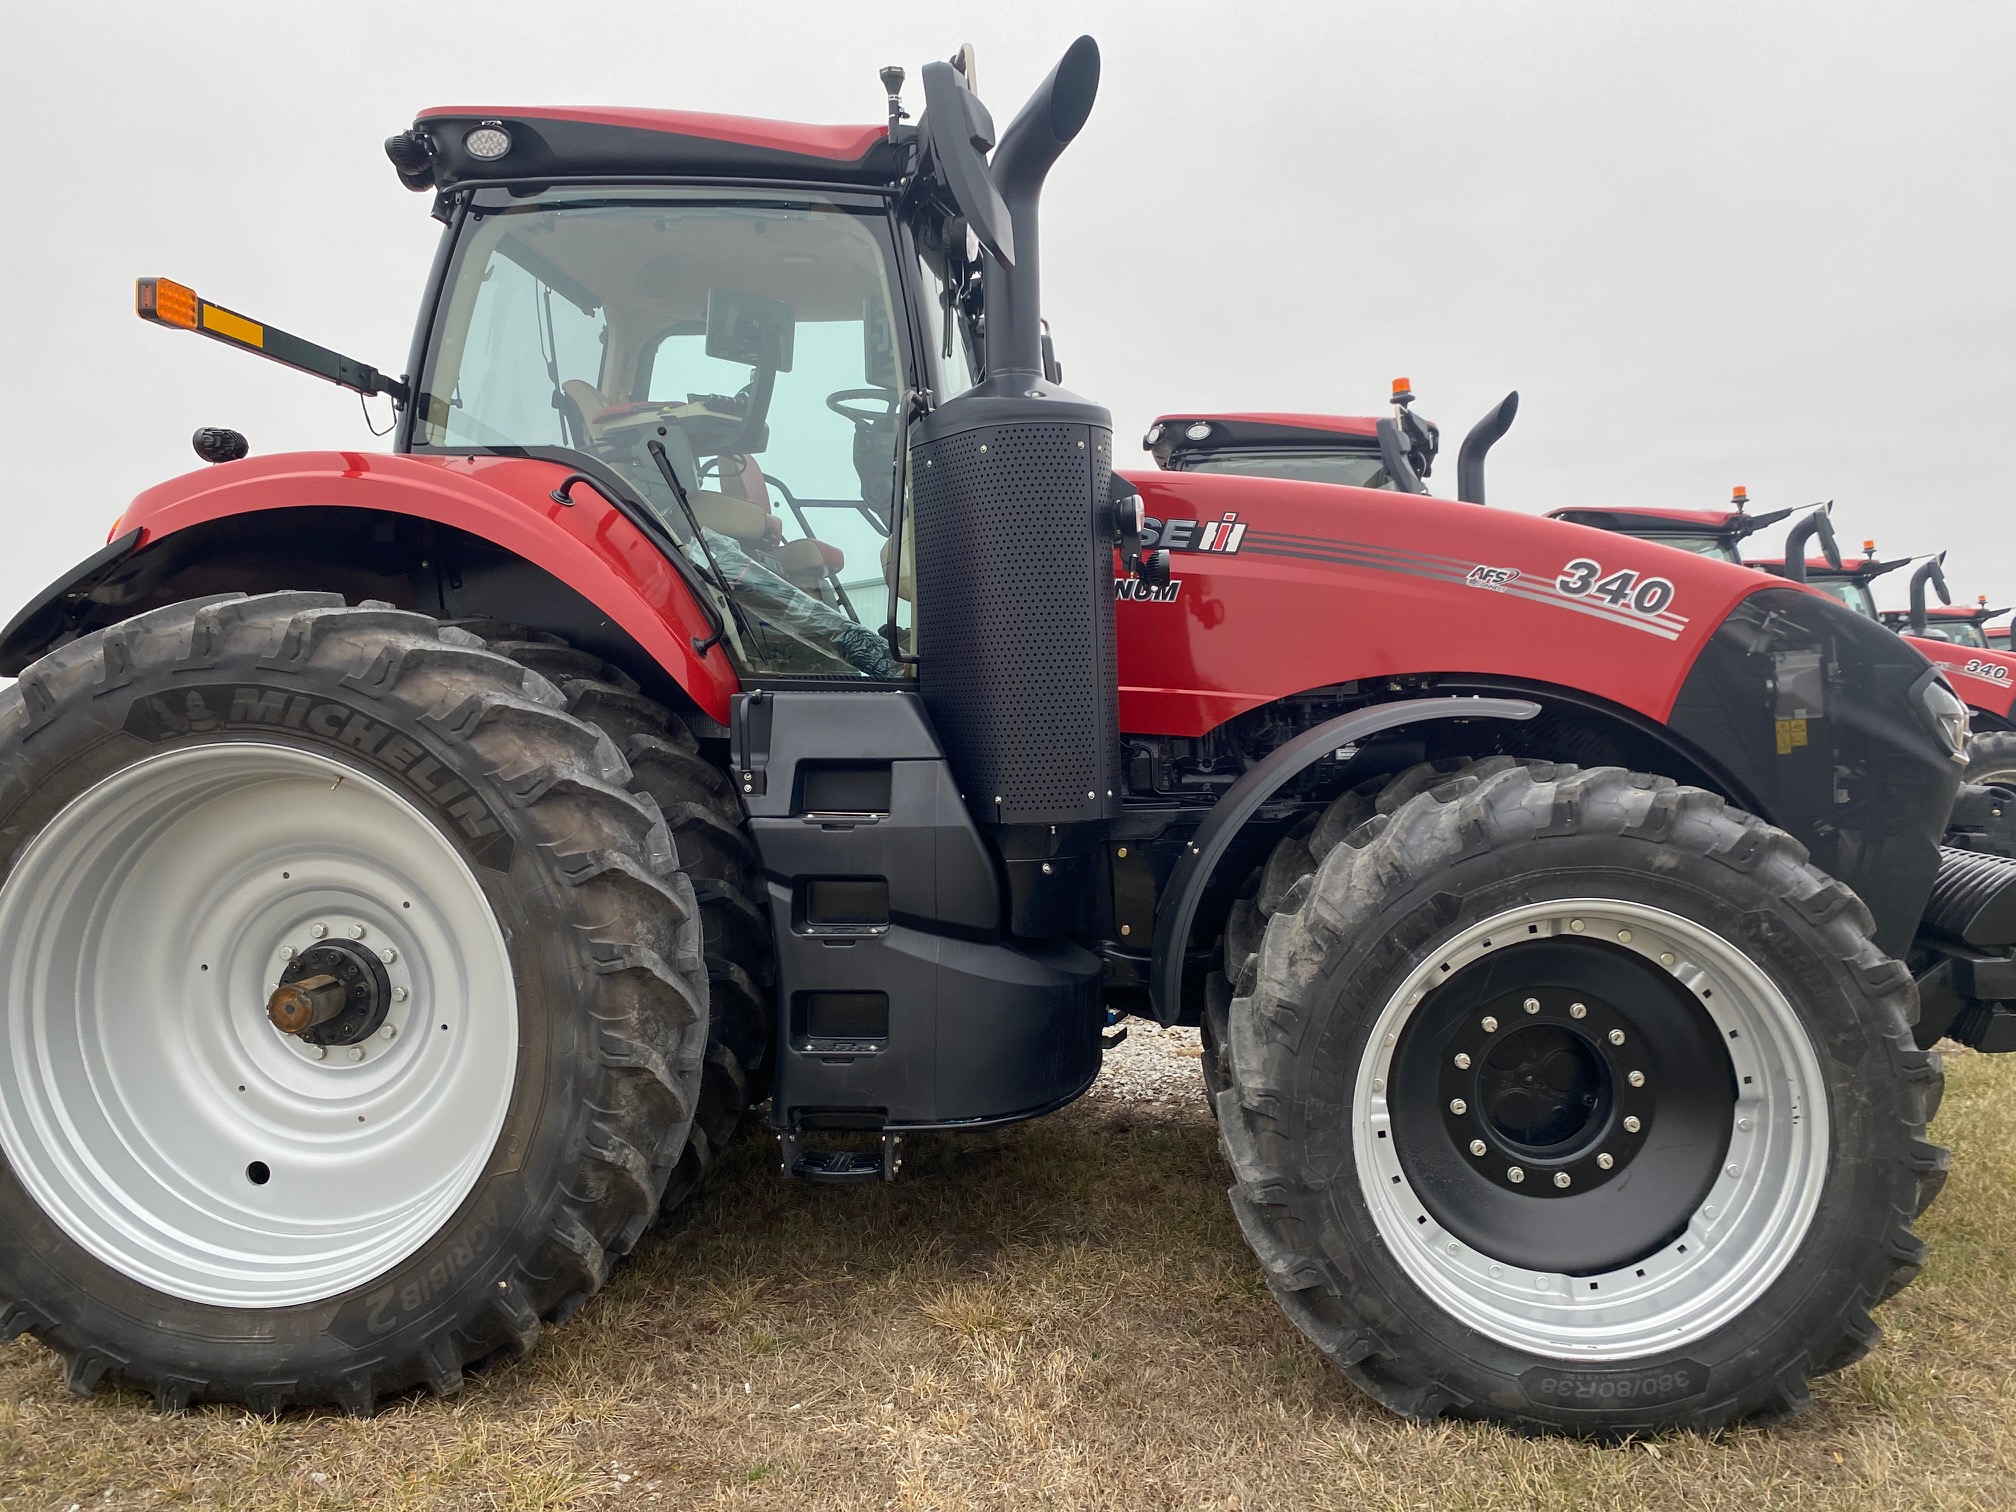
<point x="1972" y="614"/>
<point x="1679" y="521"/>
<point x="1860" y="569"/>
<point x="1170" y="434"/>
<point x="592" y="141"/>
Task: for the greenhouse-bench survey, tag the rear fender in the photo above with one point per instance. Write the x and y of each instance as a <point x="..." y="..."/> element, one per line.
<point x="192" y="529"/>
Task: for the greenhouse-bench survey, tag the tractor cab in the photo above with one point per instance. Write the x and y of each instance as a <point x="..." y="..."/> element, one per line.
<point x="1314" y="448"/>
<point x="1957" y="624"/>
<point x="1849" y="582"/>
<point x="1359" y="451"/>
<point x="1717" y="533"/>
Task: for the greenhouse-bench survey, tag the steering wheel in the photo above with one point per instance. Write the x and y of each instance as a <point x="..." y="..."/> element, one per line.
<point x="888" y="398"/>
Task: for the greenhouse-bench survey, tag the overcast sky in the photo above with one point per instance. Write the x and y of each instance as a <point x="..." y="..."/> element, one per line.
<point x="1709" y="243"/>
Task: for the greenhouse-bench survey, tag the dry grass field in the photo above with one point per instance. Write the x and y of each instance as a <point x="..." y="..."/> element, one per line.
<point x="1058" y="1315"/>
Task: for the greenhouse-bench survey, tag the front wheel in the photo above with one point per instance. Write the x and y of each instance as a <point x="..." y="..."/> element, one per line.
<point x="1580" y="1101"/>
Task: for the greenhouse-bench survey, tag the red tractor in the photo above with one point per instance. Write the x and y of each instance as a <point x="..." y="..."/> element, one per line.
<point x="418" y="862"/>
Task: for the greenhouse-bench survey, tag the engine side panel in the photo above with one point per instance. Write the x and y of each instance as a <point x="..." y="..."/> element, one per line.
<point x="589" y="545"/>
<point x="1278" y="587"/>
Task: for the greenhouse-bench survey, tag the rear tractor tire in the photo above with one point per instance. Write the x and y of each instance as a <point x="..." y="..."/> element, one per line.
<point x="354" y="998"/>
<point x="707" y="822"/>
<point x="1576" y="1100"/>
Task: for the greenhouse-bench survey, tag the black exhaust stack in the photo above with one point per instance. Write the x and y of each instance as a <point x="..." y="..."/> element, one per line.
<point x="1816" y="523"/>
<point x="1014" y="540"/>
<point x="1932" y="571"/>
<point x="1483" y="436"/>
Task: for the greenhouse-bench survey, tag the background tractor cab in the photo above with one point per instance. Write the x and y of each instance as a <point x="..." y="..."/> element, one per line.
<point x="1718" y="533"/>
<point x="1395" y="452"/>
<point x="1955" y="623"/>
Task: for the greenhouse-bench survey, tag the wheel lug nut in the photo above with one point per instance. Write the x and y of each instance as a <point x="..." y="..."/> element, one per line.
<point x="1624" y="936"/>
<point x="390" y="1031"/>
<point x="1577" y="925"/>
<point x="1462" y="1061"/>
<point x="1636" y="1078"/>
<point x="1616" y="1036"/>
<point x="1666" y="958"/>
<point x="1631" y="1124"/>
<point x="356" y="931"/>
<point x="1561" y="1178"/>
<point x="1604" y="1161"/>
<point x="356" y="1052"/>
<point x="398" y="994"/>
<point x="1476" y="1147"/>
<point x="1490" y="1024"/>
<point x="318" y="930"/>
<point x="1578" y="1010"/>
<point x="1457" y="1105"/>
<point x="1531" y="1005"/>
<point x="318" y="1052"/>
<point x="1515" y="1175"/>
<point x="286" y="952"/>
<point x="388" y="955"/>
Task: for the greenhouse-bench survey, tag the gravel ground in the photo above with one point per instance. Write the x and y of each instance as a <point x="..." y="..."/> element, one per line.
<point x="1154" y="1067"/>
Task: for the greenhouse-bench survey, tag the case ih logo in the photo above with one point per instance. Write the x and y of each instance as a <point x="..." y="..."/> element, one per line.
<point x="1222" y="535"/>
<point x="1494" y="578"/>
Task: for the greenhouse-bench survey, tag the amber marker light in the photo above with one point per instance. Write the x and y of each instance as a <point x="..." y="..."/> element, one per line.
<point x="166" y="302"/>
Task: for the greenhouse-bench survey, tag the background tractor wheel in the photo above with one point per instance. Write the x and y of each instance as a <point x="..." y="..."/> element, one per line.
<point x="355" y="1004"/>
<point x="706" y="820"/>
<point x="1991" y="758"/>
<point x="1577" y="1100"/>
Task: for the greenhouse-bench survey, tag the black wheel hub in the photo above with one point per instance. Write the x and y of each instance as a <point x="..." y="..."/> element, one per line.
<point x="1542" y="1075"/>
<point x="367" y="990"/>
<point x="1562" y="1105"/>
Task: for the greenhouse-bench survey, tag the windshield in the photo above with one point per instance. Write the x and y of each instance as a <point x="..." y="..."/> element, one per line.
<point x="1855" y="595"/>
<point x="1958" y="632"/>
<point x="1701" y="545"/>
<point x="745" y="345"/>
<point x="1360" y="469"/>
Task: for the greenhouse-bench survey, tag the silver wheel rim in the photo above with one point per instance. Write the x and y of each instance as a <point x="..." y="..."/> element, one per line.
<point x="146" y="1102"/>
<point x="1736" y="1242"/>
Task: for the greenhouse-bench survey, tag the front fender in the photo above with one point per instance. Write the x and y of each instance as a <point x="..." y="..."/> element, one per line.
<point x="590" y="545"/>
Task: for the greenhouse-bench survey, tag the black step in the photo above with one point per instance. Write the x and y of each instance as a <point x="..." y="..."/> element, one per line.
<point x="840" y="1167"/>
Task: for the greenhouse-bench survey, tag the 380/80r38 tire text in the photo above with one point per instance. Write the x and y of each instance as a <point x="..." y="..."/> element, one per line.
<point x="218" y="797"/>
<point x="1577" y="1100"/>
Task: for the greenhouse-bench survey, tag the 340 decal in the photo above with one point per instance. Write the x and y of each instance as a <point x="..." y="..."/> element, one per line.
<point x="1993" y="671"/>
<point x="1583" y="578"/>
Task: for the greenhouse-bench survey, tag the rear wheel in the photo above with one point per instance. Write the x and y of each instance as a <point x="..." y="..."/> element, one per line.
<point x="1580" y="1101"/>
<point x="355" y="1005"/>
<point x="706" y="821"/>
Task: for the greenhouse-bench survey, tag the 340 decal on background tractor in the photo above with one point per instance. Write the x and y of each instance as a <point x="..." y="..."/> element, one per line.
<point x="418" y="863"/>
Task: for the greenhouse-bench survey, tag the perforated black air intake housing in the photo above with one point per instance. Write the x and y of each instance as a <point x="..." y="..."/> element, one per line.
<point x="1015" y="603"/>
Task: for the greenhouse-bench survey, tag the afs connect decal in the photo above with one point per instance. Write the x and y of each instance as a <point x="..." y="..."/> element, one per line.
<point x="1494" y="578"/>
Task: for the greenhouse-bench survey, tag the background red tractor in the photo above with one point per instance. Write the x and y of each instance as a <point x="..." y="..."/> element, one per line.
<point x="419" y="861"/>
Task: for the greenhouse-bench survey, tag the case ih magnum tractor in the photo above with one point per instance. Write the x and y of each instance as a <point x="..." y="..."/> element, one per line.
<point x="417" y="862"/>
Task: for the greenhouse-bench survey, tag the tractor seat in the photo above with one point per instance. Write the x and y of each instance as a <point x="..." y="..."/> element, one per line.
<point x="740" y="519"/>
<point x="807" y="557"/>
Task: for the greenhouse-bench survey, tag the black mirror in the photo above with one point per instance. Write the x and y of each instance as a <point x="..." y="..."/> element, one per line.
<point x="879" y="367"/>
<point x="749" y="329"/>
<point x="960" y="133"/>
<point x="1053" y="370"/>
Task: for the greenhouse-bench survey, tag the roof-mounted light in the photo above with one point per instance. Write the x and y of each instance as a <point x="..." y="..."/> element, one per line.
<point x="1197" y="431"/>
<point x="1403" y="391"/>
<point x="489" y="141"/>
<point x="1154" y="435"/>
<point x="1739" y="496"/>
